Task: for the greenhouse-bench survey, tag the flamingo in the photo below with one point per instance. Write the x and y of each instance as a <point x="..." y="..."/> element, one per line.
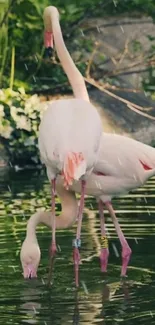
<point x="128" y="165"/>
<point x="30" y="252"/>
<point x="69" y="133"/>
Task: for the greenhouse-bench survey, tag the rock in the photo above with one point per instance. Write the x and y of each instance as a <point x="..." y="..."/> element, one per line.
<point x="123" y="46"/>
<point x="122" y="57"/>
<point x="118" y="118"/>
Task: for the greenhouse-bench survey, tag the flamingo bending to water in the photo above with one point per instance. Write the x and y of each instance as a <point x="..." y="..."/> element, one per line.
<point x="128" y="165"/>
<point x="30" y="251"/>
<point x="70" y="131"/>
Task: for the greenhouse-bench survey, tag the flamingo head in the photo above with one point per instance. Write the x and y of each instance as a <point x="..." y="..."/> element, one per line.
<point x="30" y="258"/>
<point x="50" y="13"/>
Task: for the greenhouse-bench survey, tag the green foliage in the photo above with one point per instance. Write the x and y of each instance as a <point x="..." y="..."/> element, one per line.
<point x="23" y="29"/>
<point x="20" y="116"/>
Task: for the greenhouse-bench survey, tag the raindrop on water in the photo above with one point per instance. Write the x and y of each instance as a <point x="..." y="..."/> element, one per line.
<point x="115" y="3"/>
<point x="107" y="231"/>
<point x="145" y="93"/>
<point x="43" y="282"/>
<point x="26" y="67"/>
<point x="91" y="206"/>
<point x="10" y="163"/>
<point x="24" y="217"/>
<point x="85" y="287"/>
<point x="145" y="200"/>
<point x="98" y="29"/>
<point x="36" y="58"/>
<point x="115" y="250"/>
<point x="34" y="78"/>
<point x="59" y="248"/>
<point x="136" y="240"/>
<point x="82" y="32"/>
<point x="122" y="29"/>
<point x="148" y="212"/>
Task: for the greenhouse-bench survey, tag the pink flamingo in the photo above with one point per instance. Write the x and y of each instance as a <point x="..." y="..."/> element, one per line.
<point x="30" y="251"/>
<point x="70" y="131"/>
<point x="128" y="165"/>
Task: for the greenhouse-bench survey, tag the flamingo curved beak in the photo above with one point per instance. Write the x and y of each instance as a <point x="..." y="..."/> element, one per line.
<point x="49" y="43"/>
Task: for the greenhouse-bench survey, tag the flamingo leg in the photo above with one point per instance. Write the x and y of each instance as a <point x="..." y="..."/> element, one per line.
<point x="126" y="250"/>
<point x="104" y="240"/>
<point x="53" y="248"/>
<point x="77" y="240"/>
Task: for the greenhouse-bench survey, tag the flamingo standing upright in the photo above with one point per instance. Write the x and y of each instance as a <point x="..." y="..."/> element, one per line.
<point x="70" y="131"/>
<point x="128" y="165"/>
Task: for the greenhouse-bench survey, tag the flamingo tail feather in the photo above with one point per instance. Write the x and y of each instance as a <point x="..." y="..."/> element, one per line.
<point x="74" y="167"/>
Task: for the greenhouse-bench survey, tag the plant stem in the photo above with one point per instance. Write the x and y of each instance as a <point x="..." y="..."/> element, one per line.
<point x="3" y="52"/>
<point x="12" y="67"/>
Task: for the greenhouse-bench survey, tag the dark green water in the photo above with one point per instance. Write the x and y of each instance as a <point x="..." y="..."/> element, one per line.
<point x="98" y="301"/>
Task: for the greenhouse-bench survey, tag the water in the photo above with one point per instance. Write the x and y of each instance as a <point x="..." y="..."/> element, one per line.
<point x="100" y="300"/>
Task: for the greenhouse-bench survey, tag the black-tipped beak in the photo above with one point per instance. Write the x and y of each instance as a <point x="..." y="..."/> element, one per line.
<point x="49" y="52"/>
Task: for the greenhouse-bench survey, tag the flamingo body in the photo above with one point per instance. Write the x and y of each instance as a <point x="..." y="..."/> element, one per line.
<point x="123" y="164"/>
<point x="64" y="129"/>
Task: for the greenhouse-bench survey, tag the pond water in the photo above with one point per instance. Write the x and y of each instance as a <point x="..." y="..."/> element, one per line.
<point x="99" y="300"/>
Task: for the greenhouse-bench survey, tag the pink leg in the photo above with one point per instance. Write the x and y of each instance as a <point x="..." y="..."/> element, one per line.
<point x="126" y="250"/>
<point x="77" y="241"/>
<point x="104" y="241"/>
<point x="53" y="248"/>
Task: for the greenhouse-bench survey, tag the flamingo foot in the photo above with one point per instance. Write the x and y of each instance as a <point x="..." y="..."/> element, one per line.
<point x="76" y="258"/>
<point x="126" y="254"/>
<point x="104" y="259"/>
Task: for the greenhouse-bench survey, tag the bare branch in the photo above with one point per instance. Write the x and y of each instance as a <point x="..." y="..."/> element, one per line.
<point x="141" y="113"/>
<point x="126" y="50"/>
<point x="91" y="59"/>
<point x="138" y="109"/>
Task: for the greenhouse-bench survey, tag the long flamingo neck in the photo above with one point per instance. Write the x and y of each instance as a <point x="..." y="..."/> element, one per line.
<point x="34" y="220"/>
<point x="74" y="76"/>
<point x="66" y="219"/>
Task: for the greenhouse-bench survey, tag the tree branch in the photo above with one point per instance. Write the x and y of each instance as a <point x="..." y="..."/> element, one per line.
<point x="138" y="109"/>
